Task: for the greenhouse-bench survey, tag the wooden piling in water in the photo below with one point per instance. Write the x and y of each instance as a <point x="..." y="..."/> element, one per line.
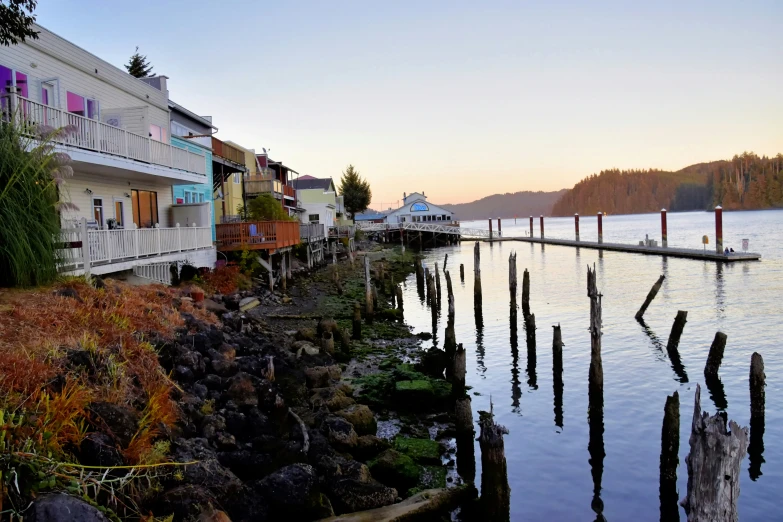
<point x="368" y="299"/>
<point x="466" y="457"/>
<point x="459" y="371"/>
<point x="677" y="328"/>
<point x="495" y="491"/>
<point x="557" y="374"/>
<point x="650" y="296"/>
<point x="477" y="299"/>
<point x="437" y="284"/>
<point x="445" y="260"/>
<point x="757" y="422"/>
<point x="715" y="356"/>
<point x="336" y="278"/>
<point x="357" y="321"/>
<point x="450" y="339"/>
<point x="398" y="291"/>
<point x="512" y="277"/>
<point x="670" y="447"/>
<point x="526" y="293"/>
<point x="713" y="466"/>
<point x="462" y="272"/>
<point x="596" y="365"/>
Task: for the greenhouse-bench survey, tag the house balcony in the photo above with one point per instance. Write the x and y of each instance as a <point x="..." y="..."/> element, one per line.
<point x="227" y="152"/>
<point x="311" y="232"/>
<point x="255" y="185"/>
<point x="105" y="251"/>
<point x="257" y="235"/>
<point x="96" y="146"/>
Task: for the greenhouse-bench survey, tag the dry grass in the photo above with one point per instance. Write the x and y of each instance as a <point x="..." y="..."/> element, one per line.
<point x="38" y="331"/>
<point x="224" y="280"/>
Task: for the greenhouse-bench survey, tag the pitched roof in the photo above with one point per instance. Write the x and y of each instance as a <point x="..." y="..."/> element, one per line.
<point x="312" y="183"/>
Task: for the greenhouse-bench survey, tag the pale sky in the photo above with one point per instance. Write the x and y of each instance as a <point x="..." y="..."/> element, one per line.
<point x="460" y="99"/>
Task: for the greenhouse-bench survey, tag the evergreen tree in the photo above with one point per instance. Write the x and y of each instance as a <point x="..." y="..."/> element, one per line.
<point x="355" y="191"/>
<point x="138" y="65"/>
<point x="16" y="21"/>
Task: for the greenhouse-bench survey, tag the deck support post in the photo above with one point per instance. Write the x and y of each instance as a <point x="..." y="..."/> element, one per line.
<point x="490" y="230"/>
<point x="500" y="231"/>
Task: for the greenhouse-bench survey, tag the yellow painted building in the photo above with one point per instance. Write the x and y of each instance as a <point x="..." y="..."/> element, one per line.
<point x="233" y="186"/>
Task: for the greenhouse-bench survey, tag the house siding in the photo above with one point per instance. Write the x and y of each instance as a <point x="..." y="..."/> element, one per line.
<point x="75" y="71"/>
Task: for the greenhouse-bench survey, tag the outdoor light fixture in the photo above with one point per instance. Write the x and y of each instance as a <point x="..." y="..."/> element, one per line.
<point x="88" y="191"/>
<point x="127" y="195"/>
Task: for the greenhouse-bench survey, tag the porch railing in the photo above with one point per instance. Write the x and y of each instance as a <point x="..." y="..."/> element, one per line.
<point x="255" y="235"/>
<point x="83" y="248"/>
<point x="259" y="185"/>
<point x="89" y="134"/>
<point x="342" y="231"/>
<point x="311" y="231"/>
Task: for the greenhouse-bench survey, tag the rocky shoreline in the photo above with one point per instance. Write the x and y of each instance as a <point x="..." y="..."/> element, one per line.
<point x="286" y="411"/>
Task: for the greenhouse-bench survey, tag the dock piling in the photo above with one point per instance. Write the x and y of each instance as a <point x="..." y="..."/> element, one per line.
<point x="541" y="219"/>
<point x="576" y="226"/>
<point x="600" y="227"/>
<point x="670" y="447"/>
<point x="490" y="230"/>
<point x="477" y="275"/>
<point x="495" y="491"/>
<point x="719" y="229"/>
<point x="664" y="230"/>
<point x="462" y="272"/>
<point x="500" y="231"/>
<point x="531" y="226"/>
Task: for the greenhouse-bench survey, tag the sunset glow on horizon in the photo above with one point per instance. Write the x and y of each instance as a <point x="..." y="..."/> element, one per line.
<point x="461" y="100"/>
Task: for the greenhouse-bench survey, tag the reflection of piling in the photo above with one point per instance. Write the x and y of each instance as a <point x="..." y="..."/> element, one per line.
<point x="516" y="389"/>
<point x="713" y="466"/>
<point x="557" y="374"/>
<point x="437" y="284"/>
<point x="757" y="399"/>
<point x="419" y="269"/>
<point x="650" y="296"/>
<point x="670" y="447"/>
<point x="526" y="293"/>
<point x="368" y="298"/>
<point x="595" y="394"/>
<point x="495" y="491"/>
<point x="530" y="334"/>
<point x="674" y="342"/>
<point x="432" y="298"/>
<point x="476" y="276"/>
<point x="357" y="321"/>
<point x="466" y="458"/>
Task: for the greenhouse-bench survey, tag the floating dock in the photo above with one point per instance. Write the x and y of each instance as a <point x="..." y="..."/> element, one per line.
<point x="689" y="253"/>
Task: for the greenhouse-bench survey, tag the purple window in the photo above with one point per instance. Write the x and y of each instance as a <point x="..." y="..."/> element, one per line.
<point x="21" y="84"/>
<point x="44" y="96"/>
<point x="6" y="79"/>
<point x="76" y="104"/>
<point x="92" y="109"/>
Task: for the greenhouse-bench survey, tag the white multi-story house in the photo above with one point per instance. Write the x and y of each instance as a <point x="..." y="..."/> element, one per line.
<point x="121" y="153"/>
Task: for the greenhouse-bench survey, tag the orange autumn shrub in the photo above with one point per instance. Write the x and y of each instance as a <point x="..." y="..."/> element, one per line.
<point x="224" y="280"/>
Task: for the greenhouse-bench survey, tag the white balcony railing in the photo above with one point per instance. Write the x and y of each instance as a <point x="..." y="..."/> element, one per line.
<point x="85" y="133"/>
<point x="83" y="248"/>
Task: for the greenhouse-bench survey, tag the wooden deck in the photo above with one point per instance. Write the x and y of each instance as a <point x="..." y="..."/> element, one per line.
<point x="257" y="235"/>
<point x="706" y="255"/>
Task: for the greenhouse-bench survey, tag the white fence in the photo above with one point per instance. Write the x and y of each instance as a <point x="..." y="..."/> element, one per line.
<point x="83" y="248"/>
<point x="86" y="133"/>
<point x="424" y="227"/>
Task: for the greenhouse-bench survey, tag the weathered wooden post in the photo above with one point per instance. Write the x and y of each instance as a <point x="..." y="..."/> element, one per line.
<point x="512" y="277"/>
<point x="459" y="370"/>
<point x="450" y="339"/>
<point x="557" y="374"/>
<point x="664" y="229"/>
<point x="327" y="343"/>
<point x="674" y="342"/>
<point x="650" y="296"/>
<point x="719" y="229"/>
<point x="402" y="240"/>
<point x="476" y="275"/>
<point x="715" y="356"/>
<point x="462" y="272"/>
<point x="357" y="321"/>
<point x="757" y="422"/>
<point x="576" y="226"/>
<point x="670" y="447"/>
<point x="398" y="290"/>
<point x="600" y="227"/>
<point x="713" y="466"/>
<point x="466" y="457"/>
<point x="596" y="365"/>
<point x="445" y="260"/>
<point x="531" y="226"/>
<point x="500" y="231"/>
<point x="595" y="394"/>
<point x="437" y="284"/>
<point x="283" y="274"/>
<point x="334" y="253"/>
<point x="541" y="219"/>
<point x="368" y="300"/>
<point x="490" y="230"/>
<point x="525" y="293"/>
<point x="495" y="492"/>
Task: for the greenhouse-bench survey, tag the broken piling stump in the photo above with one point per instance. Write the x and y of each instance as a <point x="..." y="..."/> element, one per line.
<point x="368" y="298"/>
<point x="357" y="321"/>
<point x="459" y="371"/>
<point x="670" y="447"/>
<point x="650" y="296"/>
<point x="526" y="293"/>
<point x="495" y="492"/>
<point x="715" y="356"/>
<point x="713" y="466"/>
<point x="677" y="328"/>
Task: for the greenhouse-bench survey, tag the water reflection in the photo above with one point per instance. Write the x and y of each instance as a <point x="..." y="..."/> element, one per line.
<point x="516" y="388"/>
<point x="530" y="331"/>
<point x="756" y="447"/>
<point x="557" y="375"/>
<point x="479" y="341"/>
<point x="595" y="446"/>
<point x="717" y="393"/>
<point x="654" y="339"/>
<point x="720" y="292"/>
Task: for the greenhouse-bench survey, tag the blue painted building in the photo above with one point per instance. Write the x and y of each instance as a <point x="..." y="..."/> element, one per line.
<point x="202" y="193"/>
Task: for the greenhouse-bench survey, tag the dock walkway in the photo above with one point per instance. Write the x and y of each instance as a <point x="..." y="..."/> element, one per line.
<point x="690" y="253"/>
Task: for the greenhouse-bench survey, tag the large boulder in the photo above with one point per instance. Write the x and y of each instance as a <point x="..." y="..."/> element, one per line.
<point x="349" y="495"/>
<point x="395" y="469"/>
<point x="433" y="362"/>
<point x="293" y="494"/>
<point x="369" y="446"/>
<point x="241" y="390"/>
<point x="333" y="398"/>
<point x="207" y="470"/>
<point x="119" y="421"/>
<point x="319" y="376"/>
<point x="186" y="502"/>
<point x="361" y="417"/>
<point x="59" y="507"/>
<point x="339" y="432"/>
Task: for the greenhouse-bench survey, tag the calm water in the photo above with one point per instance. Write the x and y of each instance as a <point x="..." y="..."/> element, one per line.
<point x="549" y="469"/>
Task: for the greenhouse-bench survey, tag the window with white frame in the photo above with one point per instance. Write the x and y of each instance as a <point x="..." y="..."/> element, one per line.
<point x="180" y="130"/>
<point x="314" y="218"/>
<point x="236" y="178"/>
<point x="157" y="133"/>
<point x="83" y="106"/>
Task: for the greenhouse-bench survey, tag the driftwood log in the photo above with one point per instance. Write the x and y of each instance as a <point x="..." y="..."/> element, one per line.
<point x="713" y="466"/>
<point x="650" y="296"/>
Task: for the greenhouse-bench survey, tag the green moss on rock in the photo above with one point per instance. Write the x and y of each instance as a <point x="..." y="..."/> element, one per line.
<point x="432" y="477"/>
<point x="423" y="451"/>
<point x="395" y="469"/>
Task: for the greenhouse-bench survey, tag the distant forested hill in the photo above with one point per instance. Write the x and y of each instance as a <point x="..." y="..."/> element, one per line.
<point x="747" y="181"/>
<point x="507" y="205"/>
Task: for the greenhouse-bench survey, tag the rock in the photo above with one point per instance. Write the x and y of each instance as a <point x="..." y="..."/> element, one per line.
<point x="369" y="446"/>
<point x="414" y="392"/>
<point x="225" y="441"/>
<point x="349" y="495"/>
<point x="332" y="398"/>
<point x="361" y="417"/>
<point x="222" y="364"/>
<point x="213" y="382"/>
<point x="211" y="425"/>
<point x="423" y="451"/>
<point x="319" y="376"/>
<point x="119" y="421"/>
<point x="286" y="300"/>
<point x="216" y="308"/>
<point x="433" y="362"/>
<point x="430" y="504"/>
<point x="248" y="465"/>
<point x="306" y="334"/>
<point x="293" y="494"/>
<point x="69" y="292"/>
<point x="339" y="432"/>
<point x="184" y="502"/>
<point x="395" y="469"/>
<point x="308" y="349"/>
<point x="247" y="303"/>
<point x="298" y="345"/>
<point x="59" y="507"/>
<point x="207" y="471"/>
<point x="424" y="336"/>
<point x="242" y="391"/>
<point x="98" y="449"/>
